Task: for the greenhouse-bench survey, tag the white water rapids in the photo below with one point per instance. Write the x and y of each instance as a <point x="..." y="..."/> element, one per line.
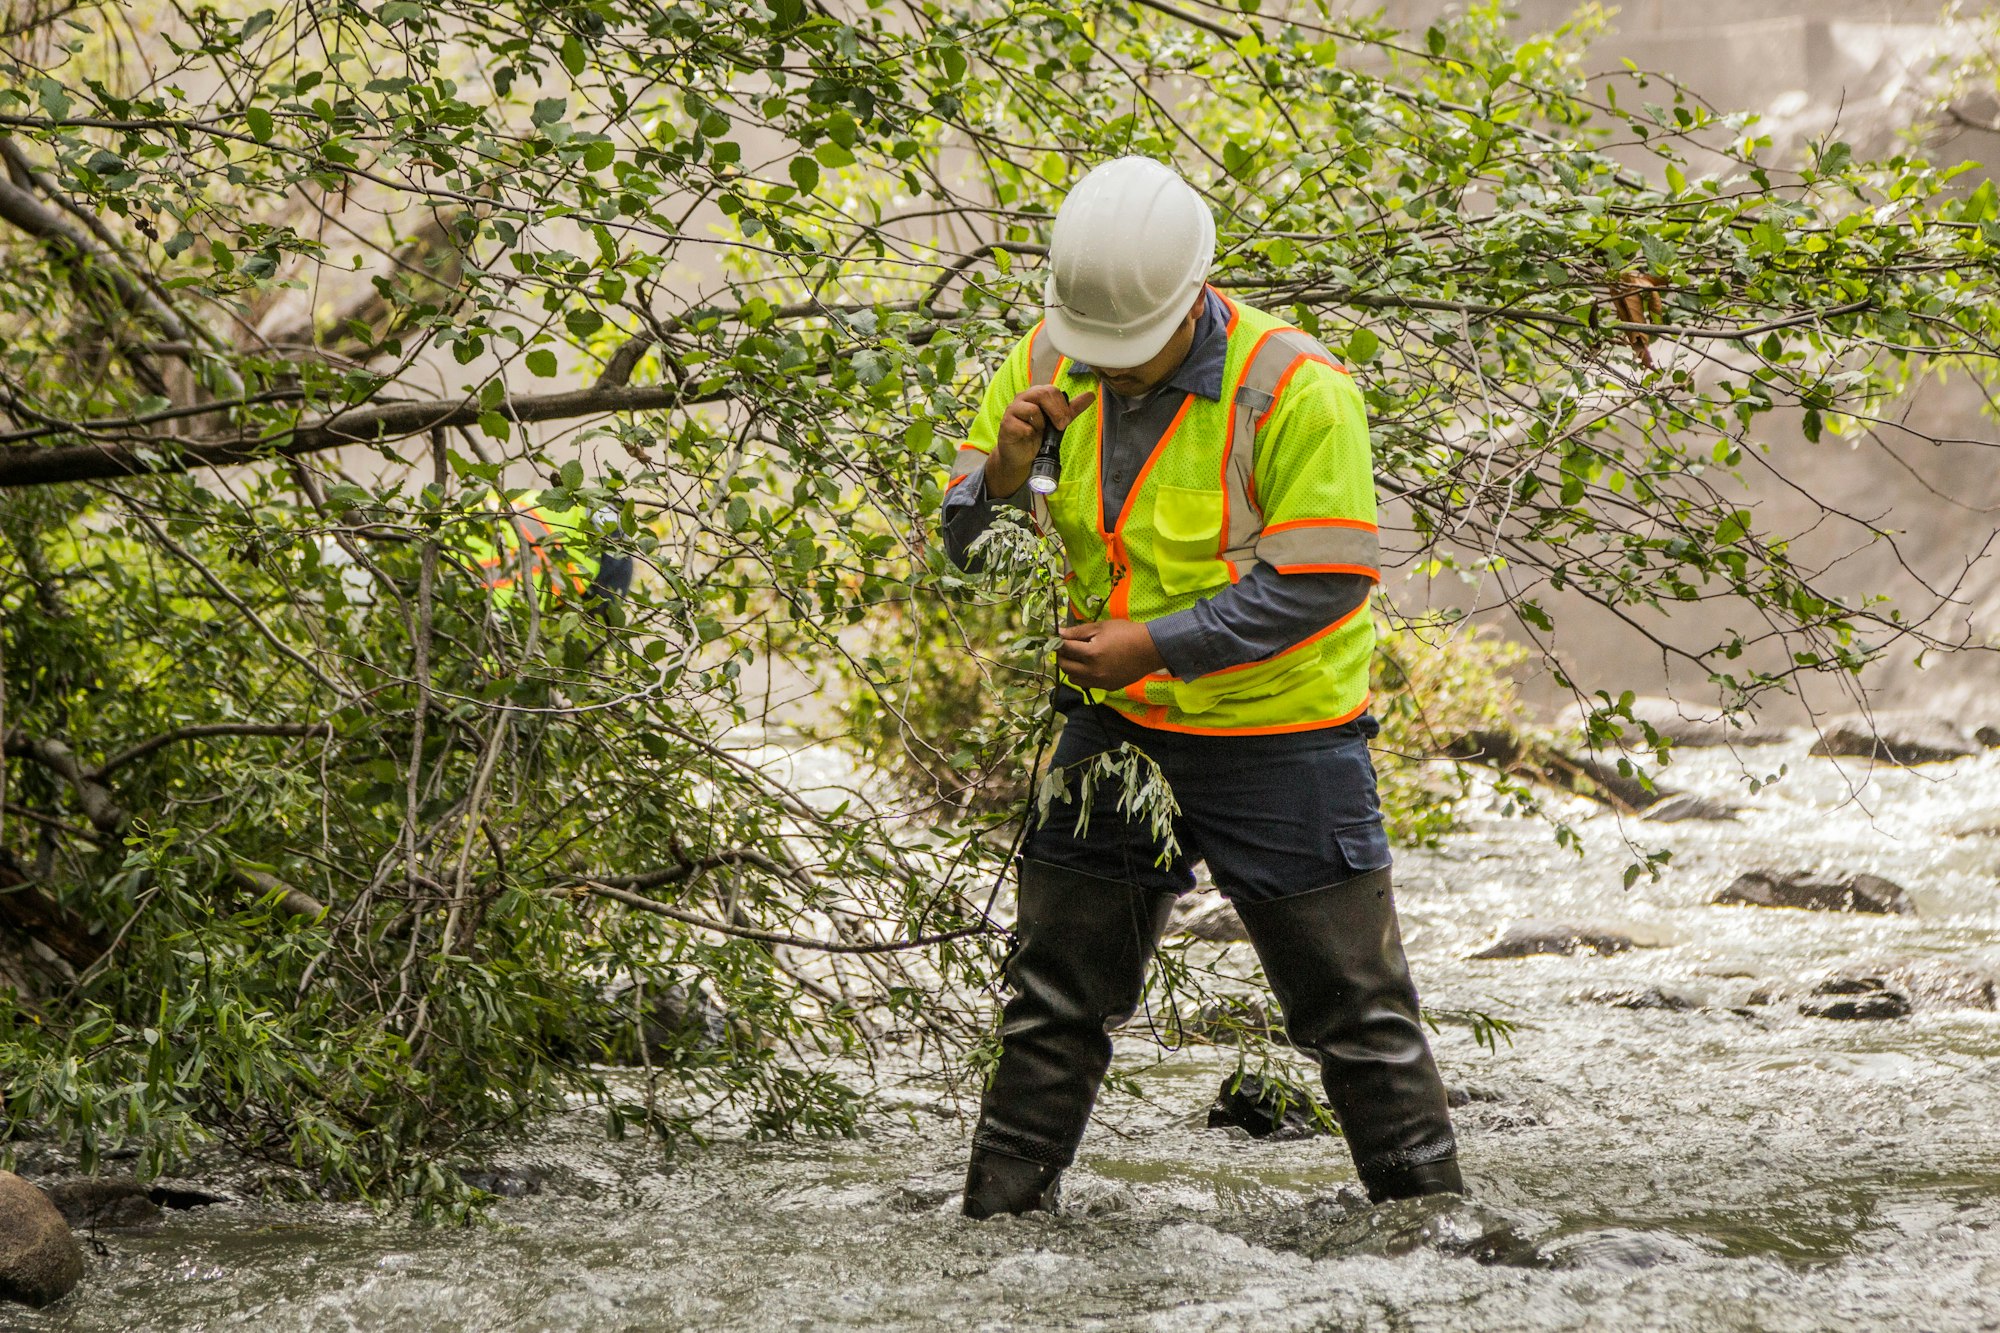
<point x="1731" y="1166"/>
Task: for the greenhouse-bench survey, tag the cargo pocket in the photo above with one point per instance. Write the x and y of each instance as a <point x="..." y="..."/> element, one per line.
<point x="1187" y="532"/>
<point x="1364" y="847"/>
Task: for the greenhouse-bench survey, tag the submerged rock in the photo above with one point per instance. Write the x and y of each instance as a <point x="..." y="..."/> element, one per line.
<point x="1618" y="1250"/>
<point x="1687" y="806"/>
<point x="1226" y="1021"/>
<point x="39" y="1260"/>
<point x="1207" y="917"/>
<point x="1347" y="1226"/>
<point x="1815" y="892"/>
<point x="1526" y="939"/>
<point x="1268" y="1108"/>
<point x="1855" y="997"/>
<point x="1895" y="738"/>
<point x="1933" y="985"/>
<point x="1648" y="997"/>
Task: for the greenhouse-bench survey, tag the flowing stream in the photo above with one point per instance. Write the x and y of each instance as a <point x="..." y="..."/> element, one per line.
<point x="1732" y="1165"/>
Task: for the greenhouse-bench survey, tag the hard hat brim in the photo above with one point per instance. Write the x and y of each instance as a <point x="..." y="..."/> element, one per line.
<point x="1132" y="346"/>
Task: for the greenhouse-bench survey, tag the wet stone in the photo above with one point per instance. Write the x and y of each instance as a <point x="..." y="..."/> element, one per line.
<point x="1207" y="916"/>
<point x="91" y="1203"/>
<point x="1268" y="1108"/>
<point x="1347" y="1226"/>
<point x="509" y="1182"/>
<point x="1903" y="739"/>
<point x="1527" y="939"/>
<point x="39" y="1260"/>
<point x="1638" y="997"/>
<point x="1942" y="985"/>
<point x="1688" y="806"/>
<point x="1618" y="1250"/>
<point x="1855" y="997"/>
<point x="1226" y="1021"/>
<point x="1814" y="892"/>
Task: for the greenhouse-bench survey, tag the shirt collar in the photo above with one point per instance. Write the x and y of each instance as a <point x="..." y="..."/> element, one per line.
<point x="1200" y="372"/>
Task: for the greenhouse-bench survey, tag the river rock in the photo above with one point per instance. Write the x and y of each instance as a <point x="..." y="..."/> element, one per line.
<point x="1639" y="997"/>
<point x="1207" y="917"/>
<point x="1896" y="738"/>
<point x="39" y="1260"/>
<point x="91" y="1202"/>
<point x="1268" y="1108"/>
<point x="1817" y="893"/>
<point x="1936" y="985"/>
<point x="1226" y="1020"/>
<point x="1684" y="725"/>
<point x="1687" y="806"/>
<point x="1855" y="997"/>
<point x="1526" y="939"/>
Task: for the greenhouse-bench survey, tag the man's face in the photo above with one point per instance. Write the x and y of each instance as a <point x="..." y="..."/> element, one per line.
<point x="1132" y="381"/>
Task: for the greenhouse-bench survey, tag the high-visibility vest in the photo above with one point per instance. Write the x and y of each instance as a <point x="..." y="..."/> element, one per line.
<point x="558" y="556"/>
<point x="1278" y="471"/>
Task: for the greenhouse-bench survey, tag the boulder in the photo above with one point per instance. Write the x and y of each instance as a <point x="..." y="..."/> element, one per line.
<point x="1988" y="736"/>
<point x="1526" y="939"/>
<point x="1855" y="997"/>
<point x="90" y="1202"/>
<point x="39" y="1259"/>
<point x="1817" y="893"/>
<point x="1207" y="917"/>
<point x="97" y="1202"/>
<point x="1684" y="725"/>
<point x="1268" y="1108"/>
<point x="1895" y="738"/>
<point x="1687" y="806"/>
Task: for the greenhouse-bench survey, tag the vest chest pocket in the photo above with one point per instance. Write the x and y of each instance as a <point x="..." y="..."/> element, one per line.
<point x="1187" y="532"/>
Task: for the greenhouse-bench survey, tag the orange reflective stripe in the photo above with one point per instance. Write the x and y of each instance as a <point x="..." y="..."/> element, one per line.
<point x="1279" y="729"/>
<point x="1358" y="524"/>
<point x="1369" y="570"/>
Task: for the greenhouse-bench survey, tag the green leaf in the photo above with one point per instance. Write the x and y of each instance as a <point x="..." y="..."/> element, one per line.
<point x="572" y="55"/>
<point x="261" y="125"/>
<point x="599" y="154"/>
<point x="583" y="323"/>
<point x="542" y="362"/>
<point x="832" y="155"/>
<point x="1363" y="346"/>
<point x="572" y="475"/>
<point x="495" y="425"/>
<point x="1434" y="39"/>
<point x="805" y="174"/>
<point x="1836" y="158"/>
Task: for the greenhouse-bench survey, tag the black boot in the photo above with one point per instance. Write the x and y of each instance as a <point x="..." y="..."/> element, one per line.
<point x="1334" y="959"/>
<point x="1077" y="972"/>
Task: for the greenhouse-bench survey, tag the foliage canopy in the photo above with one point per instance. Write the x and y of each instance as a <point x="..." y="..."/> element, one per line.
<point x="334" y="852"/>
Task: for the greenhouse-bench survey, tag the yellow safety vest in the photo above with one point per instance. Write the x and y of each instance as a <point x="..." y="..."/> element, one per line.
<point x="1279" y="471"/>
<point x="556" y="558"/>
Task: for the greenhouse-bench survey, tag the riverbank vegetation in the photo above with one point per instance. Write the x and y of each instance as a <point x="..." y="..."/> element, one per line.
<point x="315" y="842"/>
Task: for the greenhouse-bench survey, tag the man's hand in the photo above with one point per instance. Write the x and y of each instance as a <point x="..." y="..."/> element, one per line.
<point x="1108" y="654"/>
<point x="1021" y="434"/>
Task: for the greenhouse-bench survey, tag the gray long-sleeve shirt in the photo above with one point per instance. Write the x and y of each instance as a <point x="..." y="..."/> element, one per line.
<point x="1260" y="615"/>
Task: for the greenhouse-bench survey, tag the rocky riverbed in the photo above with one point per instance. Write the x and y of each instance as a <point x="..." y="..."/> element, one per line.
<point x="1715" y="1125"/>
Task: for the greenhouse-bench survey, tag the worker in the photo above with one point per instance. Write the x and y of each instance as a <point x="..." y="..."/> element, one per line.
<point x="562" y="559"/>
<point x="1215" y="505"/>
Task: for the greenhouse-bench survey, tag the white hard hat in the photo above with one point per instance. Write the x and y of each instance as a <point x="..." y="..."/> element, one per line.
<point x="1131" y="247"/>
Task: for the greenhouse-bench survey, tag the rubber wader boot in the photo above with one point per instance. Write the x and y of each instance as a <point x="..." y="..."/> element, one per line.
<point x="1334" y="958"/>
<point x="1077" y="972"/>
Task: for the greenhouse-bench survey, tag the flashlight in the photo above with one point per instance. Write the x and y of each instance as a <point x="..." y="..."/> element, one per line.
<point x="1046" y="470"/>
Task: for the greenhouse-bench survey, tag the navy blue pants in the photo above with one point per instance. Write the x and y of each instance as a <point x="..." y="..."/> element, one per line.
<point x="1271" y="815"/>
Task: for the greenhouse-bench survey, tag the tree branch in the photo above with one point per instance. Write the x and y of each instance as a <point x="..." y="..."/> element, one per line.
<point x="645" y="904"/>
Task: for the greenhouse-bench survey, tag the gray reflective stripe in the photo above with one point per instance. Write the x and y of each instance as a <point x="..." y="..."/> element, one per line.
<point x="1256" y="392"/>
<point x="1042" y="357"/>
<point x="969" y="460"/>
<point x="1298" y="548"/>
